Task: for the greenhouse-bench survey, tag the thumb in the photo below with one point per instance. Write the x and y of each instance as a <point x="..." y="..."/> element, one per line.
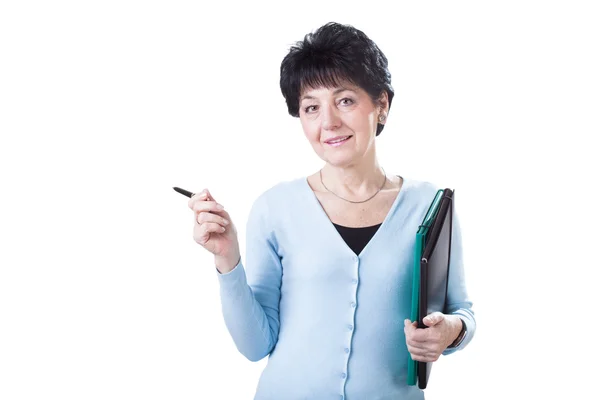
<point x="433" y="318"/>
<point x="209" y="196"/>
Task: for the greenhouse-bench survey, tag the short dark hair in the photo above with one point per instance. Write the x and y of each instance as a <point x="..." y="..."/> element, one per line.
<point x="332" y="54"/>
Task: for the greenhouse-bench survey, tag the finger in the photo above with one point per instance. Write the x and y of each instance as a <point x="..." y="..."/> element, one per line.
<point x="212" y="227"/>
<point x="409" y="326"/>
<point x="417" y="354"/>
<point x="418" y="358"/>
<point x="207" y="206"/>
<point x="423" y="352"/>
<point x="223" y="213"/>
<point x="415" y="351"/>
<point x="208" y="228"/>
<point x="433" y="318"/>
<point x="418" y="335"/>
<point x="206" y="197"/>
<point x="197" y="197"/>
<point x="431" y="338"/>
<point x="408" y="322"/>
<point x="210" y="217"/>
<point x="425" y="357"/>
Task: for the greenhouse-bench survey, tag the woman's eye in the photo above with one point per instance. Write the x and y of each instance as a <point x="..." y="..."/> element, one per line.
<point x="346" y="101"/>
<point x="310" y="109"/>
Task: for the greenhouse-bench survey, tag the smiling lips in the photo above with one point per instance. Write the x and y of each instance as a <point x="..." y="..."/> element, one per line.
<point x="338" y="140"/>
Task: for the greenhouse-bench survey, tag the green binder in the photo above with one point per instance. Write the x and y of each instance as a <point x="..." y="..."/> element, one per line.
<point x="422" y="234"/>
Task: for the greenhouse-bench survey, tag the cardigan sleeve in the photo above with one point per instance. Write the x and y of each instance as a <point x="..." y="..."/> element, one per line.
<point x="250" y="295"/>
<point x="458" y="302"/>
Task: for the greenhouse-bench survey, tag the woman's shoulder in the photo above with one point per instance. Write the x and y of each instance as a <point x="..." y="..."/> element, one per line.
<point x="283" y="188"/>
<point x="281" y="192"/>
<point x="419" y="184"/>
<point x="418" y="189"/>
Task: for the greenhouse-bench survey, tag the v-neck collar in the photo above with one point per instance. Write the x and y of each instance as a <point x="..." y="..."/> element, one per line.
<point x="334" y="231"/>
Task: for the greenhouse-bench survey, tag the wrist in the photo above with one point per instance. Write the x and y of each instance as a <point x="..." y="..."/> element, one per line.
<point x="460" y="331"/>
<point x="225" y="264"/>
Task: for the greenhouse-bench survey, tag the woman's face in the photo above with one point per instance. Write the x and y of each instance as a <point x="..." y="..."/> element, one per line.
<point x="340" y="112"/>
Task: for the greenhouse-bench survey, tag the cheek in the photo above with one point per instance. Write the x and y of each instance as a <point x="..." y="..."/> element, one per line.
<point x="362" y="122"/>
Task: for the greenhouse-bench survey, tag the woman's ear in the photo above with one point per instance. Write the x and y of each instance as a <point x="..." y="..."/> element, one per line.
<point x="382" y="102"/>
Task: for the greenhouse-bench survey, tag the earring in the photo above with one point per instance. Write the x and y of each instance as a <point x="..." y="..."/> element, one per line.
<point x="382" y="117"/>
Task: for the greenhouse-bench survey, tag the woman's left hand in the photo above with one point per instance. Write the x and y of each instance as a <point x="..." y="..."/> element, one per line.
<point x="427" y="344"/>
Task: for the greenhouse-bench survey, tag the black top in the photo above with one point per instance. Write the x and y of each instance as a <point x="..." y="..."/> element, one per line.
<point x="357" y="238"/>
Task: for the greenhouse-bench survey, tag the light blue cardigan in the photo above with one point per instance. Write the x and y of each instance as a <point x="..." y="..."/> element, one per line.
<point x="332" y="322"/>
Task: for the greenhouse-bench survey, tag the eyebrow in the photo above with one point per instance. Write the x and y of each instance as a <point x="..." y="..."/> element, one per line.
<point x="336" y="91"/>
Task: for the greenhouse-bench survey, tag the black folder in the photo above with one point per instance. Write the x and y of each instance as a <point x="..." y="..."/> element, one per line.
<point x="433" y="268"/>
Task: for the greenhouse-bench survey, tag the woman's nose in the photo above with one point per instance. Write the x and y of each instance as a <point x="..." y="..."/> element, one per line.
<point x="330" y="118"/>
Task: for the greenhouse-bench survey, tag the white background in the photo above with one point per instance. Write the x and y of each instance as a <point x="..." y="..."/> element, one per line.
<point x="105" y="106"/>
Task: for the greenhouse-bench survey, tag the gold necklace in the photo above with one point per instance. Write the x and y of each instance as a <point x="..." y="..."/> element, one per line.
<point x="351" y="201"/>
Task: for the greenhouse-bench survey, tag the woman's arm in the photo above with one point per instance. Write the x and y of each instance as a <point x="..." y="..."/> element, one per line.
<point x="250" y="295"/>
<point x="458" y="302"/>
<point x="445" y="334"/>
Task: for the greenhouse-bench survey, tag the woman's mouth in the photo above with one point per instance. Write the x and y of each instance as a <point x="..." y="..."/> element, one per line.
<point x="338" y="141"/>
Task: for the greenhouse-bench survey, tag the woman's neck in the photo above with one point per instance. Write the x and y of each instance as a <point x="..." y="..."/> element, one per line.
<point x="353" y="181"/>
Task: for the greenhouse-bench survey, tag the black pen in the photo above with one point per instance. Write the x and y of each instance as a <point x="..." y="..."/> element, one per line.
<point x="183" y="191"/>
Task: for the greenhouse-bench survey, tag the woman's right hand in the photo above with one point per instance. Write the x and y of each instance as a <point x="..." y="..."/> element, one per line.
<point x="214" y="230"/>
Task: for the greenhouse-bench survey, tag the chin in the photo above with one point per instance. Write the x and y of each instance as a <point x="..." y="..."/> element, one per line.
<point x="339" y="161"/>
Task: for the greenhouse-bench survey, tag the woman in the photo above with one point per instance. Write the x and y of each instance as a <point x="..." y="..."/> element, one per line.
<point x="326" y="287"/>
